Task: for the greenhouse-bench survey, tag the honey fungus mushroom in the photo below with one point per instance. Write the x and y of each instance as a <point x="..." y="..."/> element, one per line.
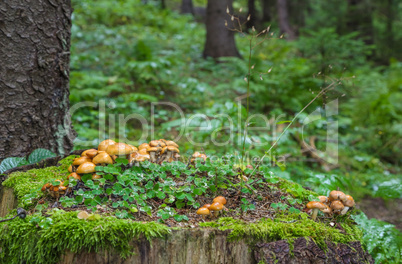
<point x="203" y="211"/>
<point x="74" y="176"/>
<point x="215" y="208"/>
<point x="119" y="149"/>
<point x="337" y="206"/>
<point x="90" y="153"/>
<point x="55" y="190"/>
<point x="347" y="202"/>
<point x="316" y="206"/>
<point x="198" y="155"/>
<point x="170" y="152"/>
<point x="87" y="167"/>
<point x="102" y="159"/>
<point x="105" y="144"/>
<point x="336" y="195"/>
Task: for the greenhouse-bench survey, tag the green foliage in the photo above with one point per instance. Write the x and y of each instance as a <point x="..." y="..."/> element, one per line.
<point x="36" y="156"/>
<point x="383" y="240"/>
<point x="39" y="239"/>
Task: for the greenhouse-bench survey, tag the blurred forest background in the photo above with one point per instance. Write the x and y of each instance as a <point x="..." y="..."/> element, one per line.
<point x="133" y="53"/>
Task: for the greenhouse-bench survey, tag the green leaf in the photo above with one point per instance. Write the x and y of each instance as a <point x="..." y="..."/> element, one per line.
<point x="10" y="163"/>
<point x="160" y="195"/>
<point x="40" y="154"/>
<point x="283" y="122"/>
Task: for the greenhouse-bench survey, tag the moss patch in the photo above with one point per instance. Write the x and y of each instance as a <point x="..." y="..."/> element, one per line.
<point x="38" y="239"/>
<point x="27" y="185"/>
<point x="287" y="227"/>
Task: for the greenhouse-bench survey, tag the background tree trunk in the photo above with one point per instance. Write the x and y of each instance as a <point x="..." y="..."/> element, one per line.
<point x="359" y="18"/>
<point x="252" y="12"/>
<point x="266" y="10"/>
<point x="220" y="41"/>
<point x="187" y="7"/>
<point x="34" y="76"/>
<point x="284" y="20"/>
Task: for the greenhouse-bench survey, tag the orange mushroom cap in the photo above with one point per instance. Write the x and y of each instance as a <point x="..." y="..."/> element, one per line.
<point x="104" y="144"/>
<point x="216" y="207"/>
<point x="87" y="167"/>
<point x="220" y="199"/>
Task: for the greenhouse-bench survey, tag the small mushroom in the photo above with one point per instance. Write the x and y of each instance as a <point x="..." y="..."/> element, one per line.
<point x="336" y="195"/>
<point x="83" y="215"/>
<point x="80" y="160"/>
<point x="74" y="175"/>
<point x="216" y="208"/>
<point x="143" y="151"/>
<point x="203" y="211"/>
<point x="90" y="153"/>
<point x="347" y="202"/>
<point x="140" y="158"/>
<point x="206" y="205"/>
<point x="324" y="200"/>
<point x="87" y="167"/>
<point x="46" y="187"/>
<point x="152" y="152"/>
<point x="337" y="206"/>
<point x="102" y="158"/>
<point x="315" y="206"/>
<point x="155" y="143"/>
<point x="119" y="149"/>
<point x="198" y="155"/>
<point x="327" y="210"/>
<point x="71" y="169"/>
<point x="105" y="144"/>
<point x="143" y="146"/>
<point x="171" y="143"/>
<point x="170" y="151"/>
<point x="96" y="176"/>
<point x="220" y="199"/>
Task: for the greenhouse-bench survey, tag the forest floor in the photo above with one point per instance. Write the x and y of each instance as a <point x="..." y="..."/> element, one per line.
<point x="389" y="211"/>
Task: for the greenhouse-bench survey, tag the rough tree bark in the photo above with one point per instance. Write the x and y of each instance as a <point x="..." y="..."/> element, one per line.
<point x="284" y="20"/>
<point x="187" y="7"/>
<point x="34" y="76"/>
<point x="220" y="41"/>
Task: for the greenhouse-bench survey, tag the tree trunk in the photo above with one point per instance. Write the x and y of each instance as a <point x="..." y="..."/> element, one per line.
<point x="220" y="41"/>
<point x="253" y="14"/>
<point x="284" y="20"/>
<point x="34" y="76"/>
<point x="163" y="4"/>
<point x="359" y="18"/>
<point x="266" y="10"/>
<point x="187" y="7"/>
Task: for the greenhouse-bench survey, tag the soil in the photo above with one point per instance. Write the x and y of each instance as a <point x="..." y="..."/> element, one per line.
<point x="389" y="211"/>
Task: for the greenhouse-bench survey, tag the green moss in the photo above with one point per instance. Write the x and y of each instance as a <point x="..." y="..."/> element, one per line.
<point x="27" y="184"/>
<point x="287" y="227"/>
<point x="38" y="239"/>
<point x="297" y="190"/>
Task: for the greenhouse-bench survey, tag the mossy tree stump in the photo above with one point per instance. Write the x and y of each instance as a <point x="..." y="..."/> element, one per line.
<point x="208" y="246"/>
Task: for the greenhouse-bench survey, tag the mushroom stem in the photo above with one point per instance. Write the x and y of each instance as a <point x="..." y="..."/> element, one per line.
<point x="345" y="210"/>
<point x="314" y="215"/>
<point x="168" y="156"/>
<point x="152" y="154"/>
